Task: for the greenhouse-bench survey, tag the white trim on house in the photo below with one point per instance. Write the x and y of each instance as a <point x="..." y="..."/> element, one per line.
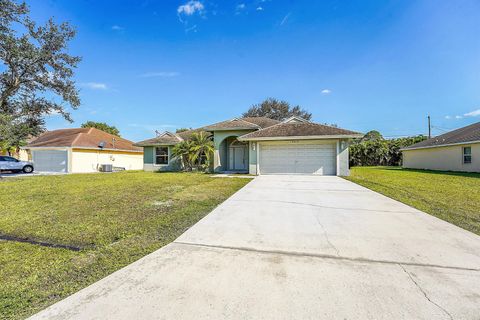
<point x="343" y="136"/>
<point x="155" y="156"/>
<point x="337" y="157"/>
<point x="442" y="145"/>
<point x="294" y="119"/>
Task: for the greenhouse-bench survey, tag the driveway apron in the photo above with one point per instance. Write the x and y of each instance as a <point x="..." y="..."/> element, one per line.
<point x="297" y="247"/>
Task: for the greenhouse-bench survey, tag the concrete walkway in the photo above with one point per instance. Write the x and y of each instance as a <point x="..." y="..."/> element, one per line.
<point x="297" y="247"/>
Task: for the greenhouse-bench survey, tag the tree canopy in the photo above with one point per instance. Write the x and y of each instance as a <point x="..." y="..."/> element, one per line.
<point x="36" y="77"/>
<point x="276" y="109"/>
<point x="102" y="126"/>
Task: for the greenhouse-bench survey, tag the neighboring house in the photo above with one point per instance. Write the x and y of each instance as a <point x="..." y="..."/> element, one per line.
<point x="21" y="154"/>
<point x="457" y="150"/>
<point x="259" y="145"/>
<point x="83" y="150"/>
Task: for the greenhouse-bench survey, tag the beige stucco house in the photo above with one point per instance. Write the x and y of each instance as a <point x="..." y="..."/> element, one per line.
<point x="83" y="150"/>
<point x="458" y="150"/>
<point x="259" y="145"/>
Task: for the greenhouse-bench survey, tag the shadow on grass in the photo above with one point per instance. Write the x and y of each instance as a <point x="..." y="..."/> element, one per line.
<point x="449" y="173"/>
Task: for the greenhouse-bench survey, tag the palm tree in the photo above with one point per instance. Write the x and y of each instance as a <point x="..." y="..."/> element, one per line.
<point x="202" y="149"/>
<point x="183" y="151"/>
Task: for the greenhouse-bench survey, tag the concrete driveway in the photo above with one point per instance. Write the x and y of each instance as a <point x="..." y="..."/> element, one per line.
<point x="297" y="247"/>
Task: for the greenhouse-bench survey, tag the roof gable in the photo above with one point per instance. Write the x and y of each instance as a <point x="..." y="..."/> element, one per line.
<point x="165" y="138"/>
<point x="247" y="123"/>
<point x="295" y="120"/>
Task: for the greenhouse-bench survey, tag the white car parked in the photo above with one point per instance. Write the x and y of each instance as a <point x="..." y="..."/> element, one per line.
<point x="14" y="165"/>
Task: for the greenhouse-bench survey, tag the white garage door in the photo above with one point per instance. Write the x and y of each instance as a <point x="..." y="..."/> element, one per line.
<point x="298" y="158"/>
<point x="50" y="160"/>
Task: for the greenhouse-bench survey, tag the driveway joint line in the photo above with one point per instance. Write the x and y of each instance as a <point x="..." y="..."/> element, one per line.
<point x="423" y="292"/>
<point x="325" y="207"/>
<point x="323" y="256"/>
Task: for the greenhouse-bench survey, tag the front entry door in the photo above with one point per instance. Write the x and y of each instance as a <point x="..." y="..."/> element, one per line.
<point x="239" y="159"/>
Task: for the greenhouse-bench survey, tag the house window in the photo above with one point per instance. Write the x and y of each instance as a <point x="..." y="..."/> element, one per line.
<point x="161" y="155"/>
<point x="467" y="154"/>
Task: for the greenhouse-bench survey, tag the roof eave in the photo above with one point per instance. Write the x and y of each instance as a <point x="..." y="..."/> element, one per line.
<point x="313" y="137"/>
<point x="441" y="145"/>
<point x="229" y="129"/>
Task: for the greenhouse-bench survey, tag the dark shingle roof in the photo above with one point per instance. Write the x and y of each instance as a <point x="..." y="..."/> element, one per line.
<point x="466" y="134"/>
<point x="82" y="138"/>
<point x="298" y="129"/>
<point x="166" y="138"/>
<point x="248" y="123"/>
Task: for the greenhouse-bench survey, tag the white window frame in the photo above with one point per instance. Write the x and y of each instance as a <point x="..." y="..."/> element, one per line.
<point x="466" y="155"/>
<point x="155" y="156"/>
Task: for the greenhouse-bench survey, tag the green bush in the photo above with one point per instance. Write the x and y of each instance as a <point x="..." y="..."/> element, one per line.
<point x="374" y="150"/>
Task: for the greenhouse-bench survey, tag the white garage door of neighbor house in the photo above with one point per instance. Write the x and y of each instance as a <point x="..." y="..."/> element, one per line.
<point x="50" y="160"/>
<point x="298" y="158"/>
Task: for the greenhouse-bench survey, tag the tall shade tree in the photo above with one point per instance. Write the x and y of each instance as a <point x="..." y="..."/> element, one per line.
<point x="276" y="109"/>
<point x="36" y="73"/>
<point x="102" y="126"/>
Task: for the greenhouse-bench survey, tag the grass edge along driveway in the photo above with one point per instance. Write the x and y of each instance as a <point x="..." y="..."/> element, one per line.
<point x="116" y="219"/>
<point x="450" y="196"/>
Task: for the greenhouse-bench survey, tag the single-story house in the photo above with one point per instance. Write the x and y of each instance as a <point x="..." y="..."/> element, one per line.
<point x="83" y="150"/>
<point x="259" y="145"/>
<point x="457" y="150"/>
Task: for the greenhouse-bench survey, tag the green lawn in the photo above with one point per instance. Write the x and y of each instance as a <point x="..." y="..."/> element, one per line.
<point x="451" y="196"/>
<point x="114" y="219"/>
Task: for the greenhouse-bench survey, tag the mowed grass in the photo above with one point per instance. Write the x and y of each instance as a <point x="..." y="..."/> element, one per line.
<point x="114" y="218"/>
<point x="451" y="196"/>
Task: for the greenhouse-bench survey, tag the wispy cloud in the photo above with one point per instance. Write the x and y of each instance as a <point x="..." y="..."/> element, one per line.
<point x="285" y="19"/>
<point x="448" y="117"/>
<point x="458" y="117"/>
<point x="153" y="127"/>
<point x="190" y="8"/>
<point x="240" y="7"/>
<point x="161" y="74"/>
<point x="94" y="85"/>
<point x="259" y="9"/>
<point x="116" y="27"/>
<point x="191" y="29"/>
<point x="474" y="113"/>
<point x="326" y="91"/>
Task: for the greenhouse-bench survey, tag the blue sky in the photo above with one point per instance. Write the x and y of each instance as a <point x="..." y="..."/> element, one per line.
<point x="385" y="65"/>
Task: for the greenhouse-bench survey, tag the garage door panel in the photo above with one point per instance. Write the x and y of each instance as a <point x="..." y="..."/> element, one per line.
<point x="50" y="160"/>
<point x="290" y="158"/>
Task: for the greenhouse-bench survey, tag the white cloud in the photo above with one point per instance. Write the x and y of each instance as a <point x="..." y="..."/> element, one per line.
<point x="474" y="113"/>
<point x="458" y="117"/>
<point x="95" y="85"/>
<point x="241" y="6"/>
<point x="117" y="28"/>
<point x="448" y="117"/>
<point x="190" y="8"/>
<point x="161" y="74"/>
<point x="259" y="9"/>
<point x="326" y="91"/>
